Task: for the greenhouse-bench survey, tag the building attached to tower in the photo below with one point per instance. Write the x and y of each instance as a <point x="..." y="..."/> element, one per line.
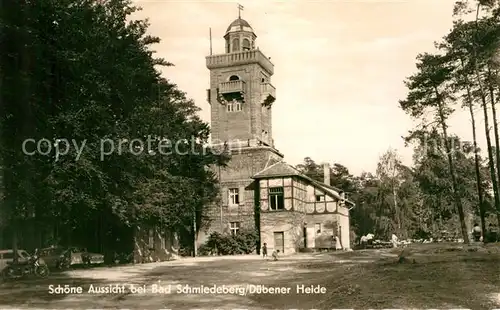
<point x="258" y="189"/>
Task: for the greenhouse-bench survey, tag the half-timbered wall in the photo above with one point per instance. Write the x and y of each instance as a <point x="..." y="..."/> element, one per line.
<point x="288" y="220"/>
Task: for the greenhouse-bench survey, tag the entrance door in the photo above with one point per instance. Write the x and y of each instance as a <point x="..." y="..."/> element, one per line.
<point x="279" y="241"/>
<point x="340" y="237"/>
<point x="305" y="237"/>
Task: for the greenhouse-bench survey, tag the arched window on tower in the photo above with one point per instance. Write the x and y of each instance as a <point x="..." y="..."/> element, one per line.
<point x="227" y="47"/>
<point x="234" y="78"/>
<point x="236" y="45"/>
<point x="246" y="45"/>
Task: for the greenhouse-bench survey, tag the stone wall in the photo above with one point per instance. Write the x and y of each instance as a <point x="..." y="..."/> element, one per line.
<point x="244" y="164"/>
<point x="291" y="223"/>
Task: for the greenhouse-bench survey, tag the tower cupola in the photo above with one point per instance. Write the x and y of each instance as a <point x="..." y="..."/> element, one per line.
<point x="239" y="36"/>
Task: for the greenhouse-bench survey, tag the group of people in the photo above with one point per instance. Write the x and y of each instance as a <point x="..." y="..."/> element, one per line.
<point x="491" y="235"/>
<point x="367" y="240"/>
<point x="274" y="254"/>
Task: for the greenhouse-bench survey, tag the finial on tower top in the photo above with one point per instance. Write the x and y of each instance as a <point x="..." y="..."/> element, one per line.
<point x="240" y="8"/>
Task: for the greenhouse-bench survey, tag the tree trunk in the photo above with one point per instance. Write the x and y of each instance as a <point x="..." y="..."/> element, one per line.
<point x="195" y="236"/>
<point x="398" y="215"/>
<point x="491" y="159"/>
<point x="451" y="166"/>
<point x="495" y="131"/>
<point x="477" y="164"/>
<point x="486" y="125"/>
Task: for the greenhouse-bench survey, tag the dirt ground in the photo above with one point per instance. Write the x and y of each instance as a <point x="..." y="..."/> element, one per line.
<point x="441" y="277"/>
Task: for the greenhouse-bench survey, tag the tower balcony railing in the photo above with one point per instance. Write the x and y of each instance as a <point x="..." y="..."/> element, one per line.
<point x="240" y="58"/>
<point x="268" y="94"/>
<point x="268" y="89"/>
<point x="232" y="87"/>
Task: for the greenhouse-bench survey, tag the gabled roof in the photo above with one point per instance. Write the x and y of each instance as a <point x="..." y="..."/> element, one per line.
<point x="278" y="169"/>
<point x="282" y="169"/>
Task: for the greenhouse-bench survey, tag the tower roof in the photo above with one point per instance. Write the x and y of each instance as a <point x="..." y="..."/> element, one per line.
<point x="239" y="24"/>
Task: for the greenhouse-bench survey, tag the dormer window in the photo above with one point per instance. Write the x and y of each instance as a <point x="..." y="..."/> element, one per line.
<point x="234" y="78"/>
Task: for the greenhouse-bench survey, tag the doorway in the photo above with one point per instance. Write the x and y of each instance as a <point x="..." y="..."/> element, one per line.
<point x="279" y="241"/>
<point x="340" y="237"/>
<point x="304" y="233"/>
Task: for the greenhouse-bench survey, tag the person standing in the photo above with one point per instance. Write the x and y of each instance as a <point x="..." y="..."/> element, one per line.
<point x="264" y="250"/>
<point x="394" y="240"/>
<point x="476" y="233"/>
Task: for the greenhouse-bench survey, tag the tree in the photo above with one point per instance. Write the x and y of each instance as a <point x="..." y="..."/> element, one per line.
<point x="96" y="81"/>
<point x="311" y="169"/>
<point x="388" y="173"/>
<point x="456" y="46"/>
<point x="428" y="90"/>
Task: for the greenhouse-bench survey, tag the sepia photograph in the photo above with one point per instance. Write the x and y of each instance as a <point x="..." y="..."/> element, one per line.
<point x="249" y="154"/>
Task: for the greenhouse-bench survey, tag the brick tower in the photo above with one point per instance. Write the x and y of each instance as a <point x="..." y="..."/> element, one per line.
<point x="241" y="97"/>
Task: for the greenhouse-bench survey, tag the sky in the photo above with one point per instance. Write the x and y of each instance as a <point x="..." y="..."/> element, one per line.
<point x="339" y="68"/>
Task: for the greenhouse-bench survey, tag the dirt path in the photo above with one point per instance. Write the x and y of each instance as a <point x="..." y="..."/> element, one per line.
<point x="363" y="279"/>
<point x="237" y="277"/>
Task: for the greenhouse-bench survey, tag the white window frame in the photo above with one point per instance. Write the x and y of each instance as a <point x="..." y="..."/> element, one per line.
<point x="234" y="196"/>
<point x="234" y="227"/>
<point x="274" y="193"/>
<point x="237" y="106"/>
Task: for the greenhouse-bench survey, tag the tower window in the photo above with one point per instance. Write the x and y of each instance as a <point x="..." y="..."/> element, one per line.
<point x="246" y="45"/>
<point x="234" y="78"/>
<point x="234" y="106"/>
<point x="236" y="45"/>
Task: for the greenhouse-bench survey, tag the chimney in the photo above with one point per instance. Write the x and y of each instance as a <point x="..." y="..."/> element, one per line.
<point x="326" y="174"/>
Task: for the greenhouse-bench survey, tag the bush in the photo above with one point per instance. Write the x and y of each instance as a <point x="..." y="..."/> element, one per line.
<point x="244" y="242"/>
